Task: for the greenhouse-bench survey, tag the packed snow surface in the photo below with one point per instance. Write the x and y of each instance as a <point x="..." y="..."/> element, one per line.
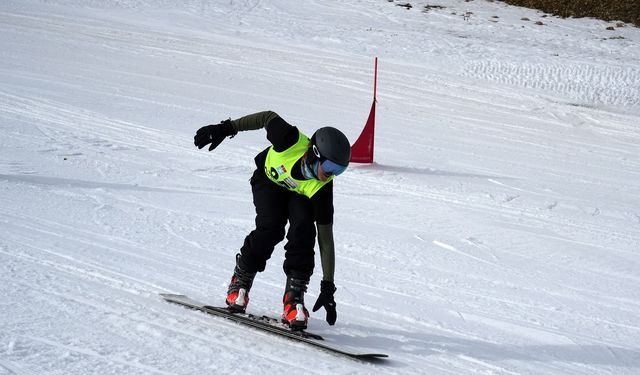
<point x="498" y="231"/>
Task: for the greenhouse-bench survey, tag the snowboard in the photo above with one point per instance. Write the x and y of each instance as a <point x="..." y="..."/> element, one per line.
<point x="267" y="324"/>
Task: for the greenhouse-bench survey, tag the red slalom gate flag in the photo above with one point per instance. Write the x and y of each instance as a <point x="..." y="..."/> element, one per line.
<point x="362" y="150"/>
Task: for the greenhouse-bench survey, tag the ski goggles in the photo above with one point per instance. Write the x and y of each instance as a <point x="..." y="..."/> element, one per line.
<point x="329" y="167"/>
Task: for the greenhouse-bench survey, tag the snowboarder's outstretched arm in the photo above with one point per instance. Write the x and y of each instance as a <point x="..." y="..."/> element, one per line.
<point x="215" y="134"/>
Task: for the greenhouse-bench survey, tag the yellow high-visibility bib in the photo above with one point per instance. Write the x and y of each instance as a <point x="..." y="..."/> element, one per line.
<point x="278" y="165"/>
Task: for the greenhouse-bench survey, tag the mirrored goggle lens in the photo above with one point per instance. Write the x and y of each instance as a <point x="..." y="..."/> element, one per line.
<point x="332" y="169"/>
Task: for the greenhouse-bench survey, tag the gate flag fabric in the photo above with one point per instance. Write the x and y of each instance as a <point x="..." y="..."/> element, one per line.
<point x="362" y="150"/>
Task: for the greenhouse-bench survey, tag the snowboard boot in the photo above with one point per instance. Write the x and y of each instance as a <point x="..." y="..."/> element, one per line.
<point x="295" y="314"/>
<point x="241" y="282"/>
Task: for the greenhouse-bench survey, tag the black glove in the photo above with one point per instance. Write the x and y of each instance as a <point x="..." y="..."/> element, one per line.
<point x="214" y="134"/>
<point x="327" y="288"/>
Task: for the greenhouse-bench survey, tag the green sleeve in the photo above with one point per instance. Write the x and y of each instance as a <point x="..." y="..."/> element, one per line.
<point x="253" y="122"/>
<point x="327" y="251"/>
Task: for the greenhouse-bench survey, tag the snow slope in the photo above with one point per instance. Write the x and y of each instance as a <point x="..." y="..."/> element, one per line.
<point x="497" y="233"/>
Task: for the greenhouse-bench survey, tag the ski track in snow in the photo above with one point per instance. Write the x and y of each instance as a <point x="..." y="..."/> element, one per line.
<point x="496" y="233"/>
<point x="599" y="84"/>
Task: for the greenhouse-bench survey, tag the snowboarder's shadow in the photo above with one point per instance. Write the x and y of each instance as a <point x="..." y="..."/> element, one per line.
<point x="423" y="344"/>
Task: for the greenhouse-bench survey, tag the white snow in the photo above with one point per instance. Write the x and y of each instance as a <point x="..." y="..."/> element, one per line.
<point x="497" y="233"/>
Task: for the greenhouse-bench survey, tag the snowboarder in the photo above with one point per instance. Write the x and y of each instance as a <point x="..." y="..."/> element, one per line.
<point x="293" y="182"/>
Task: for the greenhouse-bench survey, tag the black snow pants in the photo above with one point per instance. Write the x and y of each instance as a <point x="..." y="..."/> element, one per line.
<point x="275" y="206"/>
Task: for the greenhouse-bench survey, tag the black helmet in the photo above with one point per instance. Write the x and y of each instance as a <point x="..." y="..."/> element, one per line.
<point x="332" y="144"/>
